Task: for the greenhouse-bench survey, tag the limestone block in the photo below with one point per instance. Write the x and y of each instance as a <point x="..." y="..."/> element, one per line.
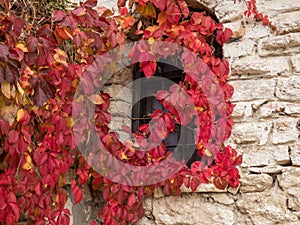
<point x="243" y="133"/>
<point x="290" y="178"/>
<point x="266" y="208"/>
<point x="279" y="45"/>
<point x="275" y="7"/>
<point x="222" y="198"/>
<point x="119" y="92"/>
<point x="279" y="108"/>
<point x="251" y="65"/>
<point x="117" y="123"/>
<point x="238" y="49"/>
<point x="265" y="155"/>
<point x="191" y="209"/>
<point x="120" y="108"/>
<point x="227" y="11"/>
<point x="123" y="77"/>
<point x="256" y="31"/>
<point x="203" y="188"/>
<point x="272" y="169"/>
<point x="285" y="131"/>
<point x="255" y="182"/>
<point x="253" y="89"/>
<point x="295" y="154"/>
<point x="287" y="22"/>
<point x="296" y="62"/>
<point x="242" y="110"/>
<point x="288" y="89"/>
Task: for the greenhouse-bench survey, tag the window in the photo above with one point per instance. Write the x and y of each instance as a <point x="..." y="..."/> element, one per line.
<point x="142" y="109"/>
<point x="145" y="106"/>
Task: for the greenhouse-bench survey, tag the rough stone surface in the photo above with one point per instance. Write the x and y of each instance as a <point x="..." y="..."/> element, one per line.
<point x="289" y="89"/>
<point x="290" y="178"/>
<point x="276" y="109"/>
<point x="252" y="90"/>
<point x="266" y="208"/>
<point x="280" y="45"/>
<point x="296" y="63"/>
<point x="266" y="67"/>
<point x="202" y="209"/>
<point x="266" y="155"/>
<point x="255" y="182"/>
<point x="295" y="154"/>
<point x="251" y="132"/>
<point x="118" y="92"/>
<point x="287" y="22"/>
<point x="239" y="49"/>
<point x="285" y="131"/>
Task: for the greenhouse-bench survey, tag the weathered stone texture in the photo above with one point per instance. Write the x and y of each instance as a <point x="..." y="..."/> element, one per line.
<point x="285" y="131"/>
<point x="252" y="89"/>
<point x="276" y="109"/>
<point x="295" y="154"/>
<point x="266" y="67"/>
<point x="266" y="208"/>
<point x="239" y="49"/>
<point x="251" y="132"/>
<point x="287" y="22"/>
<point x="255" y="182"/>
<point x="192" y="209"/>
<point x="266" y="155"/>
<point x="296" y="62"/>
<point x="288" y="89"/>
<point x="275" y="7"/>
<point x="280" y="45"/>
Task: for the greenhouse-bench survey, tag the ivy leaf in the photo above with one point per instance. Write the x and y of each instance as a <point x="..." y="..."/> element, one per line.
<point x="148" y="68"/>
<point x="223" y="36"/>
<point x="161" y="4"/>
<point x="131" y="200"/>
<point x="58" y="15"/>
<point x="3" y="52"/>
<point x="90" y="3"/>
<point x="13" y="136"/>
<point x="5" y="89"/>
<point x="220" y="182"/>
<point x="147" y="10"/>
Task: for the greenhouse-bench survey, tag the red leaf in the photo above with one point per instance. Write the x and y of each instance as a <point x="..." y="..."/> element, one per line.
<point x="148" y="68"/>
<point x="195" y="182"/>
<point x="161" y="4"/>
<point x="58" y="15"/>
<point x="13" y="136"/>
<point x="131" y="200"/>
<point x="220" y="183"/>
<point x="238" y="160"/>
<point x="78" y="195"/>
<point x="90" y="3"/>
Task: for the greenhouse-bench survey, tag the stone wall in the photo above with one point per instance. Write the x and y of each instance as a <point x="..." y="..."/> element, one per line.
<point x="265" y="72"/>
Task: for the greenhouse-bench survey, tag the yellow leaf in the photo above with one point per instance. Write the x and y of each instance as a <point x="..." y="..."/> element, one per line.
<point x="70" y="122"/>
<point x="28" y="163"/>
<point x="147" y="10"/>
<point x="5" y="89"/>
<point x="96" y="99"/>
<point x="151" y="40"/>
<point x="124" y="156"/>
<point x="208" y="153"/>
<point x="20" y="114"/>
<point x="60" y="56"/>
<point x="22" y="47"/>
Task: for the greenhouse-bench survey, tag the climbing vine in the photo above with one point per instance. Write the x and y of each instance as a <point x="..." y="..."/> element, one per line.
<point x="39" y="73"/>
